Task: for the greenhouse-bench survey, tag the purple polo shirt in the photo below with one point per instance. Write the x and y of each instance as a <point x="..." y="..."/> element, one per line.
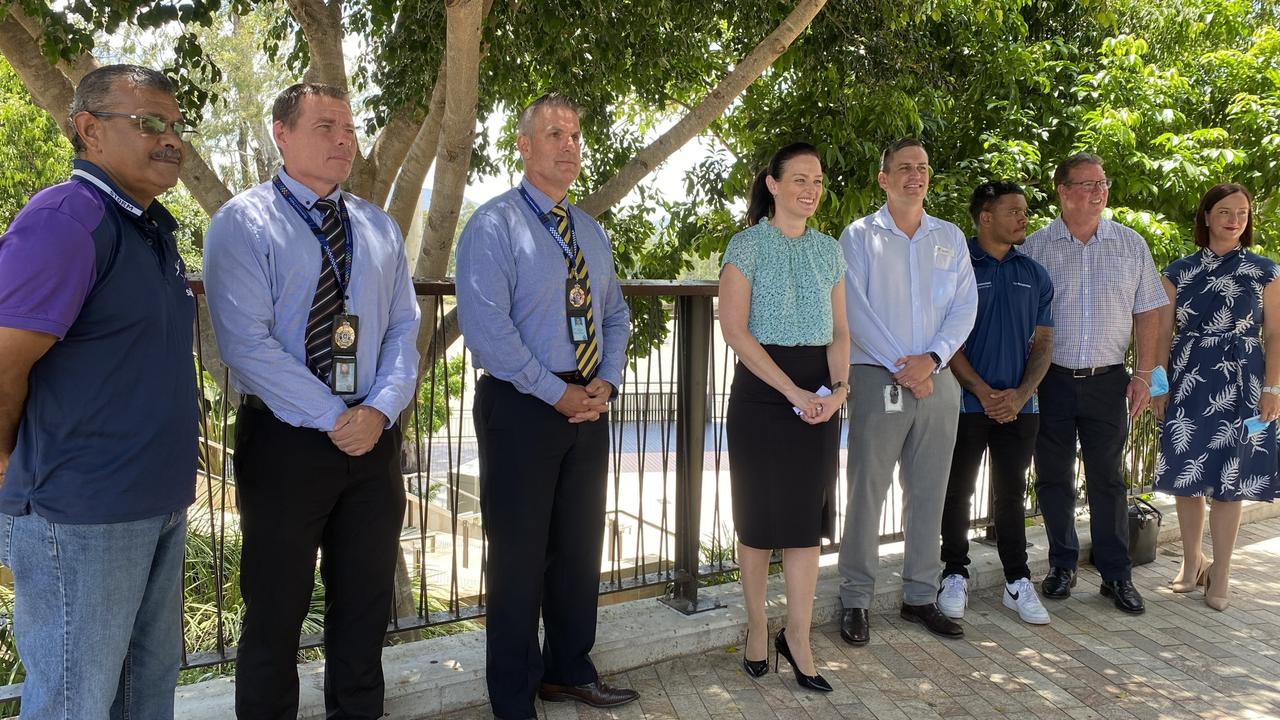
<point x="108" y="431"/>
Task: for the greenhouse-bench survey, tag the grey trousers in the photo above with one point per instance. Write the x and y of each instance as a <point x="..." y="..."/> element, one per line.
<point x="919" y="440"/>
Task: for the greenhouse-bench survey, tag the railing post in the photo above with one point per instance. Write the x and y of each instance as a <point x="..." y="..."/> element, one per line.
<point x="693" y="352"/>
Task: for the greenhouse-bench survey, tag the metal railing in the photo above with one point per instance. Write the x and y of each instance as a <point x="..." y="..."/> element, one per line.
<point x="668" y="522"/>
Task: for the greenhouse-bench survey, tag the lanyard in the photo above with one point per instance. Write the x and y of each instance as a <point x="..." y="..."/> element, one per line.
<point x="106" y="189"/>
<point x="571" y="249"/>
<point x="343" y="276"/>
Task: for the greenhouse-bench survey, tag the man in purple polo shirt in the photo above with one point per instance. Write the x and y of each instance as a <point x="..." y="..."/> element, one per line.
<point x="97" y="412"/>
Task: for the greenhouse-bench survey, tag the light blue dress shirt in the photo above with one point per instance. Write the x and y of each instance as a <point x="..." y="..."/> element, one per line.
<point x="511" y="295"/>
<point x="907" y="295"/>
<point x="261" y="265"/>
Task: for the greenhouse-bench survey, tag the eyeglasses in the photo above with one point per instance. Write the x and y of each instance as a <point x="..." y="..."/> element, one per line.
<point x="152" y="125"/>
<point x="1091" y="186"/>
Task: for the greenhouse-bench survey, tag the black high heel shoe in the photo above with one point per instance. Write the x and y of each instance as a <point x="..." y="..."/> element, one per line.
<point x="808" y="682"/>
<point x="754" y="668"/>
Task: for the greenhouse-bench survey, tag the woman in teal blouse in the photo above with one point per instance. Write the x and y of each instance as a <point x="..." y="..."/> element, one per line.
<point x="782" y="311"/>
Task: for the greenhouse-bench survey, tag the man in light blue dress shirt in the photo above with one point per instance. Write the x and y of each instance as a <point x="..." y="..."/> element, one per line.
<point x="530" y="267"/>
<point x="308" y="287"/>
<point x="912" y="302"/>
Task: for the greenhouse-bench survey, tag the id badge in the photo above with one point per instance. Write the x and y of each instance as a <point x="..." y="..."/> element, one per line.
<point x="893" y="398"/>
<point x="575" y="309"/>
<point x="342" y="377"/>
<point x="346" y="334"/>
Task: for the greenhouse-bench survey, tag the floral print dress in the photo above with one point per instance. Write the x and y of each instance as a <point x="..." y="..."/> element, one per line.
<point x="1215" y="381"/>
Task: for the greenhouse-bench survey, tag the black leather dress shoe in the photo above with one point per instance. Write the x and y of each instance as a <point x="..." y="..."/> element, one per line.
<point x="931" y="617"/>
<point x="855" y="626"/>
<point x="1125" y="595"/>
<point x="1058" y="583"/>
<point x="596" y="694"/>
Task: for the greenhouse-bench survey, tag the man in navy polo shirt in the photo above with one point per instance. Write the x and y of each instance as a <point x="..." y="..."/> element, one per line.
<point x="1000" y="366"/>
<point x="98" y="413"/>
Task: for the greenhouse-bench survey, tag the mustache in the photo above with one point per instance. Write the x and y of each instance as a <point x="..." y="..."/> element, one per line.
<point x="167" y="155"/>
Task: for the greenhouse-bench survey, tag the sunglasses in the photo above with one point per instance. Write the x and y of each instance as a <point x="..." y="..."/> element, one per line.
<point x="152" y="125"/>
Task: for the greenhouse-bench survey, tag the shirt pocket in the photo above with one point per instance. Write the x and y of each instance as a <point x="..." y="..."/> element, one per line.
<point x="944" y="258"/>
<point x="1122" y="273"/>
<point x="944" y="285"/>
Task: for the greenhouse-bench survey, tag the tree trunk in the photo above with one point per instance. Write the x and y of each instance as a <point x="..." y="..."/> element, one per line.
<point x="403" y="207"/>
<point x="73" y="69"/>
<point x="388" y="153"/>
<point x="49" y="88"/>
<point x="321" y="23"/>
<point x="457" y="133"/>
<point x="711" y="107"/>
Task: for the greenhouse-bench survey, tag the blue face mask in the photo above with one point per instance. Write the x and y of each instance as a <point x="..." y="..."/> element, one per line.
<point x="1159" y="382"/>
<point x="1255" y="425"/>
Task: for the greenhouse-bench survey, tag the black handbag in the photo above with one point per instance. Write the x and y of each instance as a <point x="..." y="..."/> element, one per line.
<point x="1144" y="531"/>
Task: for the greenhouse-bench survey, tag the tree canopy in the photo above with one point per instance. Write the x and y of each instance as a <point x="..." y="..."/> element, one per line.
<point x="1174" y="94"/>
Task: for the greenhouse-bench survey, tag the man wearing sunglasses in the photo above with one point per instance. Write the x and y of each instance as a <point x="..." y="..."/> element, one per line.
<point x="1105" y="286"/>
<point x="98" y="413"/>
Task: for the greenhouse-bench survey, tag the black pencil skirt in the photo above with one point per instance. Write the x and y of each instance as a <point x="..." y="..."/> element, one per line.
<point x="782" y="469"/>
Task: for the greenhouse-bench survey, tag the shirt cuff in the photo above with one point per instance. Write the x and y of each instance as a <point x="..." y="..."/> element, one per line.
<point x="382" y="406"/>
<point x="550" y="390"/>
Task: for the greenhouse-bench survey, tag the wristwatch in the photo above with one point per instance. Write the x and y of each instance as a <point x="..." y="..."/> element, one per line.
<point x="937" y="361"/>
<point x="1273" y="389"/>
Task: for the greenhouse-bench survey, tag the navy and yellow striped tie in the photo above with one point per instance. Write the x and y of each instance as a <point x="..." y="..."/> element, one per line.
<point x="587" y="353"/>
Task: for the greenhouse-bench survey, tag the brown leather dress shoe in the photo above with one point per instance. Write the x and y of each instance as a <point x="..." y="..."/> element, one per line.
<point x="596" y="694"/>
<point x="931" y="617"/>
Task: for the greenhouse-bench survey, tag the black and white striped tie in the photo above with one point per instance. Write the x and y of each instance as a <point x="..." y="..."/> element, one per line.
<point x="328" y="297"/>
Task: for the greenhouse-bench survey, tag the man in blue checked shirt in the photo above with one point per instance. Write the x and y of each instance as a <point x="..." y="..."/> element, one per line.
<point x="314" y="313"/>
<point x="1105" y="287"/>
<point x="542" y="311"/>
<point x="1000" y="366"/>
<point x="911" y="303"/>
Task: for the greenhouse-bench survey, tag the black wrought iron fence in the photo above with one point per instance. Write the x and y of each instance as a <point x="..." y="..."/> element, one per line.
<point x="668" y="522"/>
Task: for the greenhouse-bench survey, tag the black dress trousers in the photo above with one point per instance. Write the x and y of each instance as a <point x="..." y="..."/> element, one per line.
<point x="1011" y="445"/>
<point x="542" y="498"/>
<point x="298" y="493"/>
<point x="1092" y="409"/>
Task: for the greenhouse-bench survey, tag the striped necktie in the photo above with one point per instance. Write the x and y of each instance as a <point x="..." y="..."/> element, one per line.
<point x="328" y="298"/>
<point x="587" y="353"/>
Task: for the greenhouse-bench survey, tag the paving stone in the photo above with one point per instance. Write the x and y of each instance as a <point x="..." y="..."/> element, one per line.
<point x="1179" y="660"/>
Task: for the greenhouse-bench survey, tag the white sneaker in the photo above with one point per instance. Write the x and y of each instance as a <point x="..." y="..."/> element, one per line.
<point x="953" y="598"/>
<point x="1021" y="595"/>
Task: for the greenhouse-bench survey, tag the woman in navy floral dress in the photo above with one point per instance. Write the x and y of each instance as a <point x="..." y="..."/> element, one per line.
<point x="1224" y="370"/>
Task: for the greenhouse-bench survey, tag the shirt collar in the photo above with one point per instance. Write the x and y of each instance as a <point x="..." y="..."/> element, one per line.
<point x="306" y="195"/>
<point x="542" y="199"/>
<point x="885" y="220"/>
<point x="978" y="254"/>
<point x="1106" y="230"/>
<point x="98" y="177"/>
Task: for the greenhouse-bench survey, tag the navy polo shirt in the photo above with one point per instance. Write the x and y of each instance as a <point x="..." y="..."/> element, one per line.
<point x="1014" y="296"/>
<point x="108" y="433"/>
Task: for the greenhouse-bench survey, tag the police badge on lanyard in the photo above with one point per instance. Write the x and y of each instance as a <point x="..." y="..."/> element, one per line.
<point x="575" y="309"/>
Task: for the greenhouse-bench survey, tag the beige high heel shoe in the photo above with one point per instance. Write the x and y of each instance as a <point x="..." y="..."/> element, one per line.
<point x="1220" y="600"/>
<point x="1187" y="586"/>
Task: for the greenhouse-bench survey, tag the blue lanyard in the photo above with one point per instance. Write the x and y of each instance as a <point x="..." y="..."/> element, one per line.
<point x="343" y="276"/>
<point x="570" y="250"/>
